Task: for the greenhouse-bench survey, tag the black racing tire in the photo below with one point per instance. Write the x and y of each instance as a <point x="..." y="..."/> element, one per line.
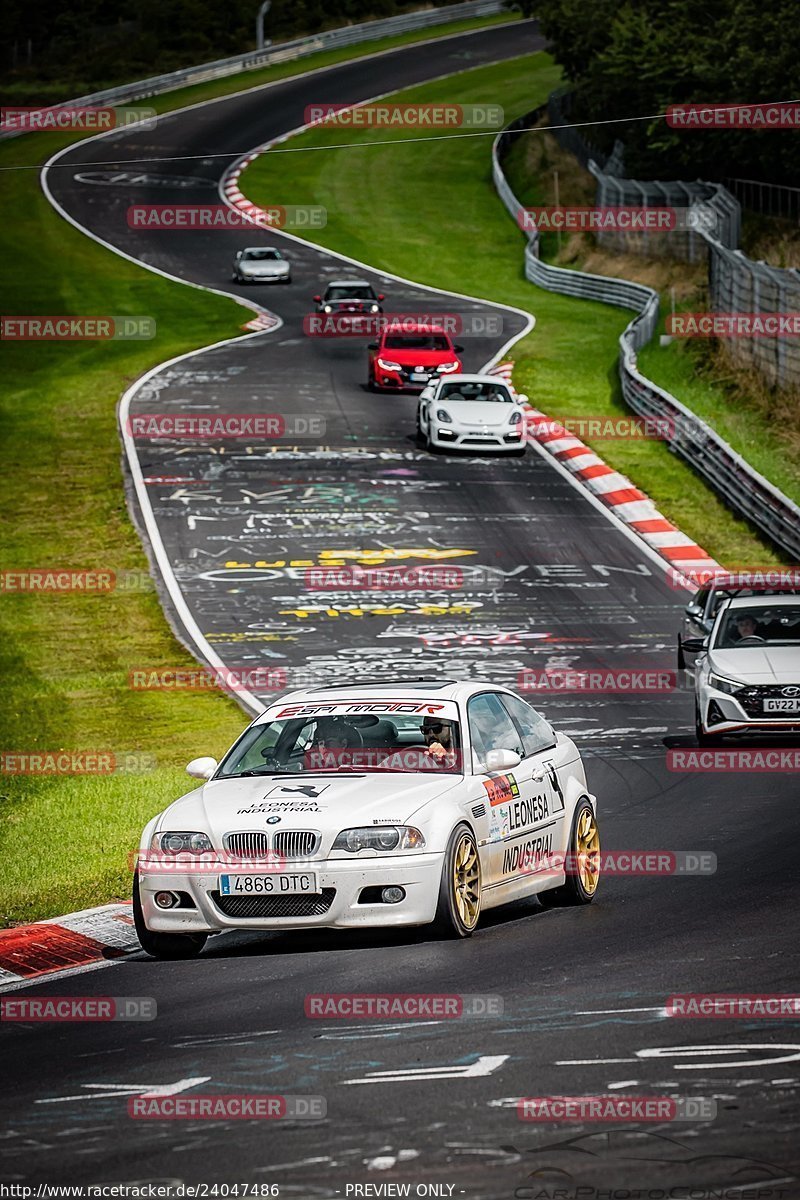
<point x="520" y="452"/>
<point x="163" y="945"/>
<point x="574" y="890"/>
<point x="459" y="907"/>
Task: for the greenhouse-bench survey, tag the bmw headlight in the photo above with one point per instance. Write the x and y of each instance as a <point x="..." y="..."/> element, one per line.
<point x="730" y="686"/>
<point x="386" y="365"/>
<point x="445" y="367"/>
<point x="515" y="417"/>
<point x="181" y="843"/>
<point x="379" y="837"/>
<point x="444" y="416"/>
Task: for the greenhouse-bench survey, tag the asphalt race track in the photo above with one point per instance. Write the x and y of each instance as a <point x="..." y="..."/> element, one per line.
<point x="548" y="580"/>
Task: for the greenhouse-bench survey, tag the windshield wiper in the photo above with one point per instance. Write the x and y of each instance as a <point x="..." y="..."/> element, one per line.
<point x="257" y="771"/>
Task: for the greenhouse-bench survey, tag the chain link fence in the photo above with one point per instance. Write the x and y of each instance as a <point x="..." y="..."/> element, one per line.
<point x="744" y="489"/>
<point x="736" y="284"/>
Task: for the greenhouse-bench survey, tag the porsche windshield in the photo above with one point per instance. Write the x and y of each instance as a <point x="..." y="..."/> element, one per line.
<point x="364" y="742"/>
<point x="759" y="625"/>
<point x="492" y="392"/>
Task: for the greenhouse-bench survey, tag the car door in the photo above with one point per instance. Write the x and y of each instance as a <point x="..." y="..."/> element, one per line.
<point x="521" y="803"/>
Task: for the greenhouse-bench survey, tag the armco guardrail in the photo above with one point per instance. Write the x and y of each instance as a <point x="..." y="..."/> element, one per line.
<point x="744" y="489"/>
<point x="349" y="35"/>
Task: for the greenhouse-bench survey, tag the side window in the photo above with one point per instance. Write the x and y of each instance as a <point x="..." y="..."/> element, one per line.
<point x="537" y="734"/>
<point x="490" y="726"/>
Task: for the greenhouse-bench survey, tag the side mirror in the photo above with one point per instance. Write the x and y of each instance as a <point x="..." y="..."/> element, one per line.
<point x="372" y="346"/>
<point x="501" y="760"/>
<point x="201" y="768"/>
<point x="381" y="296"/>
<point x="239" y="254"/>
<point x="522" y="398"/>
<point x="317" y="299"/>
<point x="694" y="645"/>
<point x="693" y="610"/>
<point x="458" y="349"/>
<point x="427" y="393"/>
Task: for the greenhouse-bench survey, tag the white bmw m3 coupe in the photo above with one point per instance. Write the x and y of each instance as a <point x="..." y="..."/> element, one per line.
<point x="412" y="803"/>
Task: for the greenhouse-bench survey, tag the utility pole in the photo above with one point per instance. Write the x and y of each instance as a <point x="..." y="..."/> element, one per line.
<point x="262" y="12"/>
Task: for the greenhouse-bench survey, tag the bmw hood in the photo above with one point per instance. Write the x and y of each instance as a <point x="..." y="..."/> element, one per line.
<point x="758" y="664"/>
<point x="478" y="412"/>
<point x="323" y="802"/>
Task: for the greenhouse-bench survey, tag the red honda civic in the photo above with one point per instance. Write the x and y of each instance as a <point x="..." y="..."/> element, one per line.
<point x="408" y="359"/>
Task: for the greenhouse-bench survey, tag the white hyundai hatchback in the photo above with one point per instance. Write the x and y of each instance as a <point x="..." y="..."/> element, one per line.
<point x="747" y="671"/>
<point x="411" y="803"/>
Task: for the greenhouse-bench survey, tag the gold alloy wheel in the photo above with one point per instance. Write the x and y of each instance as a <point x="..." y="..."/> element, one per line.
<point x="587" y="847"/>
<point x="467" y="881"/>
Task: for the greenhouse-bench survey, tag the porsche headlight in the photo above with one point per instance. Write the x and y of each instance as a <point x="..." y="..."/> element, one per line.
<point x="515" y="417"/>
<point x="379" y="837"/>
<point x="730" y="686"/>
<point x="444" y="416"/>
<point x="181" y="843"/>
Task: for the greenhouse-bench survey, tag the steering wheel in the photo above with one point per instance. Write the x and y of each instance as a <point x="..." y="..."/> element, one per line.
<point x="752" y="638"/>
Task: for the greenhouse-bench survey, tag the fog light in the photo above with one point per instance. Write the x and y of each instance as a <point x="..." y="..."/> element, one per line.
<point x="165" y="899"/>
<point x="393" y="895"/>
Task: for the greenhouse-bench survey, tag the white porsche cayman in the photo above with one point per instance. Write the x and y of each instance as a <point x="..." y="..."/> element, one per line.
<point x="416" y="802"/>
<point x="471" y="412"/>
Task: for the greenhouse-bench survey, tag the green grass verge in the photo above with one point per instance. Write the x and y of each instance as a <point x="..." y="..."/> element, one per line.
<point x="65" y="658"/>
<point x="431" y="212"/>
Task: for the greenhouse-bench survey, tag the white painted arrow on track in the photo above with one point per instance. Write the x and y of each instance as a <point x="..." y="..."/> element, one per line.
<point x="104" y="1090"/>
<point x="485" y="1065"/>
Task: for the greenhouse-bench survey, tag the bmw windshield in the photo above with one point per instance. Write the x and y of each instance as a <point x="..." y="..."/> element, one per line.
<point x="378" y="741"/>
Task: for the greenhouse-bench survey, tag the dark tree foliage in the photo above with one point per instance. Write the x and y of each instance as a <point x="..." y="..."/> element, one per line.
<point x="628" y="58"/>
<point x="89" y="44"/>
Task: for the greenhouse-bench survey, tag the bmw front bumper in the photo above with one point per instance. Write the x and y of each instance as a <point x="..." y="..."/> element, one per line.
<point x="339" y="905"/>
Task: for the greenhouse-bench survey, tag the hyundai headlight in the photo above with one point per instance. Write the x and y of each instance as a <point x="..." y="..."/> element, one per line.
<point x="730" y="686"/>
<point x="443" y="415"/>
<point x="181" y="843"/>
<point x="379" y="837"/>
